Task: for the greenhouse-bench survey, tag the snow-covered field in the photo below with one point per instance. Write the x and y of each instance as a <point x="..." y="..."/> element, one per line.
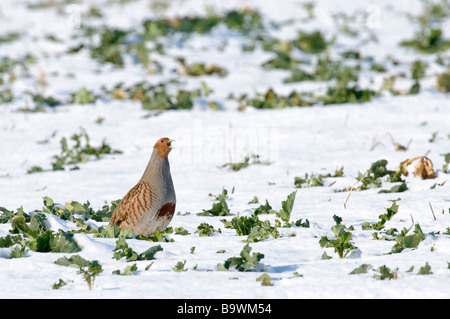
<point x="296" y="140"/>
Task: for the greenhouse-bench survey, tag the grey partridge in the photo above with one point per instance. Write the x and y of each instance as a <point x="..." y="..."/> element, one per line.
<point x="149" y="206"/>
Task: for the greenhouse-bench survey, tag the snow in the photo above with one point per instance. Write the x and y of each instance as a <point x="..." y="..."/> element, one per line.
<point x="296" y="140"/>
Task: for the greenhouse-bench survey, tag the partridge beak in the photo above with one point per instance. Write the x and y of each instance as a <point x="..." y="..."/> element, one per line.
<point x="170" y="143"/>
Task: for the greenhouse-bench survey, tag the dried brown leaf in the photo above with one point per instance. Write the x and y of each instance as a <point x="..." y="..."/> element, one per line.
<point x="424" y="168"/>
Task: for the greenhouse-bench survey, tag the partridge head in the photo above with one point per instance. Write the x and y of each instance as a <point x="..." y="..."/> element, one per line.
<point x="149" y="206"/>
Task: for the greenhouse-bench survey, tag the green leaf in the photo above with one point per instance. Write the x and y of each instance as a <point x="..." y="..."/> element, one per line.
<point x="363" y="269"/>
<point x="63" y="242"/>
<point x="59" y="284"/>
<point x="263" y="209"/>
<point x="37" y="222"/>
<point x="265" y="280"/>
<point x="325" y="255"/>
<point x="337" y="219"/>
<point x="128" y="271"/>
<point x="73" y="261"/>
<point x="149" y="254"/>
<point x="286" y="207"/>
<point x="395" y="189"/>
<point x="40" y="242"/>
<point x="18" y="224"/>
<point x="179" y="266"/>
<point x="48" y="202"/>
<point x="425" y="270"/>
<point x="84" y="96"/>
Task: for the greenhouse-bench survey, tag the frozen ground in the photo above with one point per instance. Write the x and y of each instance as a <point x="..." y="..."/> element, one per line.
<point x="296" y="140"/>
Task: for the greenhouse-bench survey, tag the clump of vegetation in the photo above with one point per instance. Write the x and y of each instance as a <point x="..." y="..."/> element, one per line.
<point x="33" y="233"/>
<point x="18" y="243"/>
<point x="404" y="241"/>
<point x="205" y="230"/>
<point x="83" y="96"/>
<point x="219" y="208"/>
<point x="81" y="152"/>
<point x="245" y="262"/>
<point x="417" y="72"/>
<point x="115" y="43"/>
<point x="89" y="269"/>
<point x="9" y="37"/>
<point x="342" y="242"/>
<point x="158" y="236"/>
<point x="159" y="96"/>
<point x="390" y="212"/>
<point x="9" y="68"/>
<point x="6" y="95"/>
<point x="265" y="280"/>
<point x="384" y="272"/>
<point x="199" y="69"/>
<point x="113" y="231"/>
<point x="342" y="92"/>
<point x="86" y="211"/>
<point x="443" y="82"/>
<point x="39" y="238"/>
<point x="429" y="38"/>
<point x="316" y="179"/>
<point x="252" y="227"/>
<point x="246" y="21"/>
<point x="122" y="250"/>
<point x="248" y="160"/>
<point x="110" y="47"/>
<point x="128" y="271"/>
<point x="272" y="100"/>
<point x="446" y="163"/>
<point x="347" y="94"/>
<point x="258" y="230"/>
<point x="372" y="178"/>
<point x="284" y="61"/>
<point x="179" y="267"/>
<point x="313" y="42"/>
<point x="425" y="270"/>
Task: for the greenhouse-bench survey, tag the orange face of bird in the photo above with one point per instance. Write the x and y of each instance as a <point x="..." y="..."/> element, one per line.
<point x="163" y="147"/>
